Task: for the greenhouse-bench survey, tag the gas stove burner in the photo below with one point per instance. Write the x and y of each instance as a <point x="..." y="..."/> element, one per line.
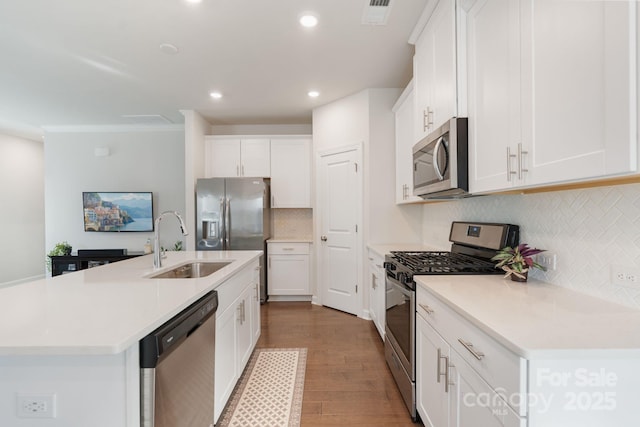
<point x="442" y="263"/>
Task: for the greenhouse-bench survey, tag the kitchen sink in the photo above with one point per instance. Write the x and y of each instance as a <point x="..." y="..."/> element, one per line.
<point x="192" y="270"/>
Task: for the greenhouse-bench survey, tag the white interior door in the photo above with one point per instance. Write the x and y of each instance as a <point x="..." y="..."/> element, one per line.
<point x="340" y="201"/>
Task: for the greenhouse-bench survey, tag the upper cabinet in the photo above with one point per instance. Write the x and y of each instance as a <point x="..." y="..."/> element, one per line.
<point x="233" y="157"/>
<point x="404" y="147"/>
<point x="551" y="91"/>
<point x="291" y="173"/>
<point x="435" y="71"/>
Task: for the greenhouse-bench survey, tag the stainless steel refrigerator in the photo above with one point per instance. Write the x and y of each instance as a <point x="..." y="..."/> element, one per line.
<point x="234" y="214"/>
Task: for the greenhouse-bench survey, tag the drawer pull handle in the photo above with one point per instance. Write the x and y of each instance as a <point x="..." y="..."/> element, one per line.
<point x="287" y="249"/>
<point x="477" y="354"/>
<point x="426" y="308"/>
<point x="439" y="373"/>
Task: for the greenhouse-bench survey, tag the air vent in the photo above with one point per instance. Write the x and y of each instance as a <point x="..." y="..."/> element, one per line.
<point x="376" y="12"/>
<point x="147" y="119"/>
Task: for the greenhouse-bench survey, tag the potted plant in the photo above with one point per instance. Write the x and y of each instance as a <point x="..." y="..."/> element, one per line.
<point x="517" y="261"/>
<point x="62" y="248"/>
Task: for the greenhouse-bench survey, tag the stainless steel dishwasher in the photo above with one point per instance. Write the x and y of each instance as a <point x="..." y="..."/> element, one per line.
<point x="177" y="368"/>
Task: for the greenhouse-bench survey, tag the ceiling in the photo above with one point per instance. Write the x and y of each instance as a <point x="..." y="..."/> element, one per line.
<point x="89" y="62"/>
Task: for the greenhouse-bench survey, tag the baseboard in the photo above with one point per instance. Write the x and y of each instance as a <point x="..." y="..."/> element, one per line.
<point x="291" y="298"/>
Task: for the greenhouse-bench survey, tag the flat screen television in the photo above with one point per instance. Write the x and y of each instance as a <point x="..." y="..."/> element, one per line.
<point x="111" y="211"/>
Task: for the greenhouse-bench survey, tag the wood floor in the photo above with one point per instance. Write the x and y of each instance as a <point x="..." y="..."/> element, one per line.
<point x="347" y="382"/>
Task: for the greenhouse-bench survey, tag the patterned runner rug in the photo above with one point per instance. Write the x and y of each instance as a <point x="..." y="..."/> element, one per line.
<point x="269" y="393"/>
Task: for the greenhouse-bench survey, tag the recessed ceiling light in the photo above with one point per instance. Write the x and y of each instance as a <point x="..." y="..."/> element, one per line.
<point x="308" y="20"/>
<point x="216" y="95"/>
<point x="313" y="94"/>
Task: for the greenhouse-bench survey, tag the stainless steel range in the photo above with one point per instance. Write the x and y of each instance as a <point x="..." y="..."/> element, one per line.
<point x="473" y="245"/>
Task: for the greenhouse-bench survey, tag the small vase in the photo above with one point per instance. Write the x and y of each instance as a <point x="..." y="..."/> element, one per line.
<point x="519" y="279"/>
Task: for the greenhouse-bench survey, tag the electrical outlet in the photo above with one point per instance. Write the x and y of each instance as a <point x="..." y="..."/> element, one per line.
<point x="548" y="260"/>
<point x="625" y="276"/>
<point x="40" y="405"/>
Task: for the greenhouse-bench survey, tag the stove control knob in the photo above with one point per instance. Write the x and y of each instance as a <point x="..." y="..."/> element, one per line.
<point x="389" y="266"/>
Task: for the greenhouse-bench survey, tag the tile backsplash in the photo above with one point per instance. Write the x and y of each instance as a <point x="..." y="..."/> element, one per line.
<point x="292" y="223"/>
<point x="589" y="229"/>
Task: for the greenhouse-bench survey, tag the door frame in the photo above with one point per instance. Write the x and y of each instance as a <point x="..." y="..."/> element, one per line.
<point x="319" y="291"/>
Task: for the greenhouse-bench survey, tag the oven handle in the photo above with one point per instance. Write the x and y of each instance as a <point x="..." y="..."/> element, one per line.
<point x="403" y="289"/>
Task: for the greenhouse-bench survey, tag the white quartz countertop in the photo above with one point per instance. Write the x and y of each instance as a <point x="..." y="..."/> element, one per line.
<point x="539" y="320"/>
<point x="384" y="248"/>
<point x="106" y="309"/>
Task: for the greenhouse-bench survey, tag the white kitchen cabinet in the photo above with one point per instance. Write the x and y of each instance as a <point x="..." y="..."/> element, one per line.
<point x="291" y="173"/>
<point x="377" y="292"/>
<point x="404" y="115"/>
<point x="463" y="375"/>
<point x="237" y="157"/>
<point x="288" y="268"/>
<point x="432" y="352"/>
<point x="494" y="95"/>
<point x="236" y="335"/>
<point x="551" y="90"/>
<point x="435" y="71"/>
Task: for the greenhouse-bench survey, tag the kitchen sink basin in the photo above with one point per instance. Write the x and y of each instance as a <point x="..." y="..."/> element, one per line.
<point x="193" y="270"/>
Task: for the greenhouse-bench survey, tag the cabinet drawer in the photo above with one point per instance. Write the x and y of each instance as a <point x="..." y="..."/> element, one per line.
<point x="498" y="366"/>
<point x="287" y="248"/>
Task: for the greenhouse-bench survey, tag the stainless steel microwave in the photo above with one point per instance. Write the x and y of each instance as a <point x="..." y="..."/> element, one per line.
<point x="441" y="162"/>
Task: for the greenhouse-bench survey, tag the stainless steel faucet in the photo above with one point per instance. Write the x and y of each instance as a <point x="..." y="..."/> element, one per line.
<point x="157" y="256"/>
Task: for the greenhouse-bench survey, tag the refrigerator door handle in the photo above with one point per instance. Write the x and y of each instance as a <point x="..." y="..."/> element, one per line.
<point x="223" y="229"/>
<point x="227" y="225"/>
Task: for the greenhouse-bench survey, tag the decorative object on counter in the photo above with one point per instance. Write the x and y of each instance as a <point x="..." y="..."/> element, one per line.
<point x="269" y="393"/>
<point x="148" y="248"/>
<point x="517" y="261"/>
<point x="62" y="248"/>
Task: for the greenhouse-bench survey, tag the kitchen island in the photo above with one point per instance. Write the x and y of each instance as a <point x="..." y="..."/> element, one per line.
<point x="75" y="337"/>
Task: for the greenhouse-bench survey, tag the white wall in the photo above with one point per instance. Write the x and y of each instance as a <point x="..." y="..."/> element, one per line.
<point x="22" y="213"/>
<point x="589" y="229"/>
<point x="301" y="129"/>
<point x="195" y="129"/>
<point x="138" y="161"/>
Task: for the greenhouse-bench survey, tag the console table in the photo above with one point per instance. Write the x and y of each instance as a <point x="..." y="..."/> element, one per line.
<point x="69" y="263"/>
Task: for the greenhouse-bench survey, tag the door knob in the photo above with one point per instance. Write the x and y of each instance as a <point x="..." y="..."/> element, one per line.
<point x="323" y="238"/>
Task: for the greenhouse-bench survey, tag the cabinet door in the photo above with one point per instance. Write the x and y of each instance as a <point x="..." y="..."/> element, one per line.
<point x="474" y="403"/>
<point x="432" y="351"/>
<point x="226" y="368"/>
<point x="222" y="157"/>
<point x="435" y="70"/>
<point x="243" y="325"/>
<point x="377" y="293"/>
<point x="255" y="312"/>
<point x="255" y="156"/>
<point x="404" y="115"/>
<point x="291" y="173"/>
<point x="584" y="99"/>
<point x="288" y="275"/>
<point x="494" y="101"/>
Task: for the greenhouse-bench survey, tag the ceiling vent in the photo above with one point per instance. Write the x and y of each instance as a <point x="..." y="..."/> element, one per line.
<point x="147" y="119"/>
<point x="376" y="12"/>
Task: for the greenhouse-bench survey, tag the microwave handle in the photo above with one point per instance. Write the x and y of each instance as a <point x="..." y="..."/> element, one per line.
<point x="436" y="167"/>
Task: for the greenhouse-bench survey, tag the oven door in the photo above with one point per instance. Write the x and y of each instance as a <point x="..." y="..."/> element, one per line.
<point x="400" y="323"/>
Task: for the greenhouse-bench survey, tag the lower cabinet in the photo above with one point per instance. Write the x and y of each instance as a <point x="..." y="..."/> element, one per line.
<point x="432" y="391"/>
<point x="377" y="292"/>
<point x="462" y="375"/>
<point x="237" y="331"/>
<point x="288" y="268"/>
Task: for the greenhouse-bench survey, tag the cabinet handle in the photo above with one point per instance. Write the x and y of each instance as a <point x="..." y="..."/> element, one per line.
<point x="239" y="309"/>
<point x="521" y="154"/>
<point x="509" y="157"/>
<point x="244" y="313"/>
<point x="323" y="238"/>
<point x="477" y="354"/>
<point x="373" y="281"/>
<point x="257" y="292"/>
<point x="426" y="308"/>
<point x="438" y="368"/>
<point x="427" y="119"/>
<point x="287" y="249"/>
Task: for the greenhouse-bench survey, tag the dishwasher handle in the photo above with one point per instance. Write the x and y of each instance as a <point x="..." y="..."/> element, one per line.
<point x="159" y="343"/>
